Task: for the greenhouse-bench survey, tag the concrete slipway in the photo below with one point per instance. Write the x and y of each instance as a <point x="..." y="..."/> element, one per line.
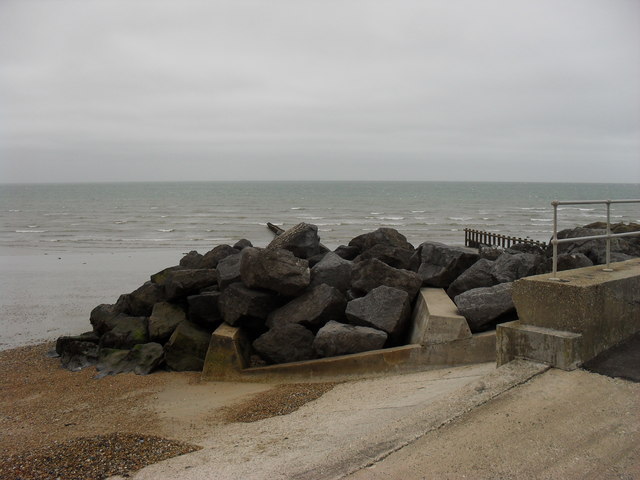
<point x="519" y="421"/>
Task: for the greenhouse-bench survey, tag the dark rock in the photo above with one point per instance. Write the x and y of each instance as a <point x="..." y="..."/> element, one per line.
<point x="102" y="316"/>
<point x="490" y="252"/>
<point x="204" y="310"/>
<point x="289" y="342"/>
<point x="395" y="257"/>
<point x="126" y="332"/>
<point x="302" y="240"/>
<point x="312" y="309"/>
<point x="384" y="308"/>
<point x="141" y="359"/>
<point x="164" y="319"/>
<point x="211" y="258"/>
<point x="77" y="352"/>
<point x="160" y="278"/>
<point x="568" y="261"/>
<point x="229" y="270"/>
<point x="621" y="248"/>
<point x="332" y="270"/>
<point x="477" y="276"/>
<point x="191" y="260"/>
<point x="510" y="267"/>
<point x="441" y="264"/>
<point x="247" y="307"/>
<point x="274" y="269"/>
<point x="182" y="283"/>
<point x="373" y="273"/>
<point x="187" y="348"/>
<point x="382" y="236"/>
<point x="485" y="307"/>
<point x="341" y="339"/>
<point x="316" y="258"/>
<point x="526" y="248"/>
<point x="142" y="300"/>
<point x="242" y="244"/>
<point x="347" y="252"/>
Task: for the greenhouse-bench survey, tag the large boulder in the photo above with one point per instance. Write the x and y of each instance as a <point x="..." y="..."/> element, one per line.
<point x="312" y="309"/>
<point x="141" y="301"/>
<point x="242" y="244"/>
<point x="485" y="307"/>
<point x="510" y="267"/>
<point x="102" y="317"/>
<point x="126" y="332"/>
<point x="287" y="342"/>
<point x="383" y="308"/>
<point x="247" y="307"/>
<point x="373" y="273"/>
<point x="160" y="278"/>
<point x="229" y="270"/>
<point x="204" y="310"/>
<point x="396" y="257"/>
<point x="441" y="264"/>
<point x="382" y="236"/>
<point x="275" y="269"/>
<point x="568" y="261"/>
<point x="211" y="258"/>
<point x="79" y="351"/>
<point x="622" y="248"/>
<point x="164" y="319"/>
<point x="477" y="276"/>
<point x="302" y="240"/>
<point x="342" y="339"/>
<point x="348" y="252"/>
<point x="141" y="359"/>
<point x="187" y="347"/>
<point x="182" y="283"/>
<point x="332" y="270"/>
<point x="191" y="260"/>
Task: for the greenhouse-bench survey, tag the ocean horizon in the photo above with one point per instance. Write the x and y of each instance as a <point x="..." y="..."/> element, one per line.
<point x="199" y="215"/>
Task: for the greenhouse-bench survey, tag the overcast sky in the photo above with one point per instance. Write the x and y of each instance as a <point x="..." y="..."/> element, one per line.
<point x="515" y="90"/>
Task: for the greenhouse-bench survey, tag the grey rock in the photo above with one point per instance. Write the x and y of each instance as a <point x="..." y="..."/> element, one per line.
<point x="621" y="248"/>
<point x="332" y="270"/>
<point x="312" y="309"/>
<point x="568" y="261"/>
<point x="102" y="316"/>
<point x="477" y="276"/>
<point x="77" y="352"/>
<point x="229" y="270"/>
<point x="302" y="240"/>
<point x="191" y="260"/>
<point x="485" y="307"/>
<point x="204" y="310"/>
<point x="164" y="319"/>
<point x="182" y="283"/>
<point x="141" y="359"/>
<point x="342" y="339"/>
<point x="187" y="348"/>
<point x="393" y="256"/>
<point x="510" y="267"/>
<point x="373" y="273"/>
<point x="526" y="248"/>
<point x="441" y="264"/>
<point x="211" y="258"/>
<point x="289" y="342"/>
<point x="384" y="236"/>
<point x="490" y="252"/>
<point x="126" y="332"/>
<point x="347" y="252"/>
<point x="160" y="278"/>
<point x="246" y="307"/>
<point x="142" y="300"/>
<point x="274" y="269"/>
<point x="384" y="308"/>
<point x="242" y="244"/>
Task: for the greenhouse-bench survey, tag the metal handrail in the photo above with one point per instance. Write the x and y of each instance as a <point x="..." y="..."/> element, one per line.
<point x="607" y="236"/>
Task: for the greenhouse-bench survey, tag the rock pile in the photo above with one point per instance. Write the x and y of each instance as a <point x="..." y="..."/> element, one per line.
<point x="296" y="300"/>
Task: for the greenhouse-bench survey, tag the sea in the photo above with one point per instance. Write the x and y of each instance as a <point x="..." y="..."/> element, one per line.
<point x="201" y="215"/>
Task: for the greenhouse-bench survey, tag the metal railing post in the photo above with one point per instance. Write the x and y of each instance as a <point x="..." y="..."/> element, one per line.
<point x="608" y="240"/>
<point x="554" y="241"/>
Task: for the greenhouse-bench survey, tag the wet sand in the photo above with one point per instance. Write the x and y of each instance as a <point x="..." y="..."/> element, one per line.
<point x="44" y="296"/>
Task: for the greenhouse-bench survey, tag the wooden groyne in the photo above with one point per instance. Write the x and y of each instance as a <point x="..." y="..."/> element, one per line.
<point x="474" y="238"/>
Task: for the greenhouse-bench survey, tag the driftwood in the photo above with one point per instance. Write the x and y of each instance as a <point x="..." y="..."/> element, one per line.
<point x="275" y="229"/>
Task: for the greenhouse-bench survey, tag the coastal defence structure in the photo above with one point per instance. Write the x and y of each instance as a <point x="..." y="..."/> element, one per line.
<point x="566" y="319"/>
<point x="439" y="336"/>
